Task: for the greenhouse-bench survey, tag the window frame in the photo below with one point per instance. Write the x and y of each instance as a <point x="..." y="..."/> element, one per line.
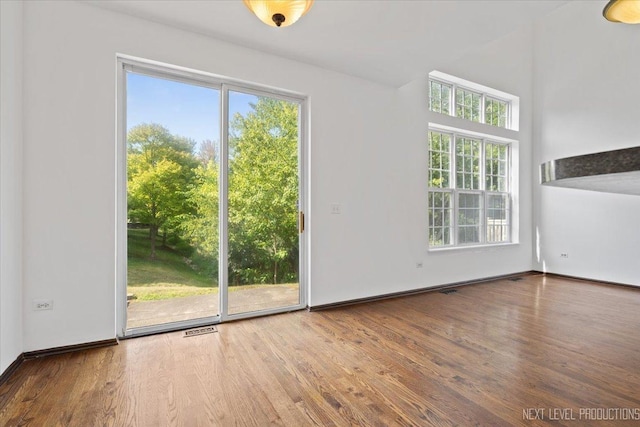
<point x="454" y="191"/>
<point x="458" y="88"/>
<point x="484" y="96"/>
<point x="507" y="117"/>
<point x="442" y="83"/>
<point x="127" y="63"/>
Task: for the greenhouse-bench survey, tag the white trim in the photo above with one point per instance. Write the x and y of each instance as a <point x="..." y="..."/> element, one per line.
<point x="223" y="206"/>
<point x="512" y="121"/>
<point x="157" y="69"/>
<point x="125" y="65"/>
<point x="511" y="193"/>
<point x="302" y="243"/>
<point x="171" y="326"/>
<point x="480" y="248"/>
<point x="121" y="200"/>
<point x="470" y="134"/>
<point x="304" y="205"/>
<point x="466" y="84"/>
<point x="203" y="76"/>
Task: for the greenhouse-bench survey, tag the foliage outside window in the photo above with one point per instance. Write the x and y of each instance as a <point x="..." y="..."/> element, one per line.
<point x="439" y="96"/>
<point x="172" y="189"/>
<point x="470" y="105"/>
<point x="469" y="201"/>
<point x="495" y="112"/>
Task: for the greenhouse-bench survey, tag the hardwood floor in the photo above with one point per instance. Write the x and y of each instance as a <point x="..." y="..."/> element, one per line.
<point x="497" y="353"/>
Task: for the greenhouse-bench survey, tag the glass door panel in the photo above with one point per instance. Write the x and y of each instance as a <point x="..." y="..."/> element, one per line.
<point x="172" y="161"/>
<point x="263" y="194"/>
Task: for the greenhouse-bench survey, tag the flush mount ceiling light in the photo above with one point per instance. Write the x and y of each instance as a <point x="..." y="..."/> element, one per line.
<point x="625" y="11"/>
<point x="279" y="13"/>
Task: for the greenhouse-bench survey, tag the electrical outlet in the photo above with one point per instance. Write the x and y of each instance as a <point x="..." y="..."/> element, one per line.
<point x="564" y="255"/>
<point x="336" y="209"/>
<point x="418" y="264"/>
<point x="42" y="304"/>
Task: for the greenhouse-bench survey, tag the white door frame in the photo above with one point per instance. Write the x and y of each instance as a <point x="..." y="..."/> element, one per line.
<point x="224" y="85"/>
<point x="224" y="189"/>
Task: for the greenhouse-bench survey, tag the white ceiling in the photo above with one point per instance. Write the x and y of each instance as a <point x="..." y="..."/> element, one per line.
<point x="388" y="41"/>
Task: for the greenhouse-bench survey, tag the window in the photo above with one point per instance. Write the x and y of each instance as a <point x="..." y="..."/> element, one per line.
<point x="472" y="171"/>
<point x="439" y="96"/>
<point x="469" y="200"/>
<point x="495" y="112"/>
<point x="473" y="105"/>
<point x="468" y="104"/>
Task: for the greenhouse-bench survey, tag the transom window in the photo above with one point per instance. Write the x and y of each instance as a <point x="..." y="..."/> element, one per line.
<point x="469" y="198"/>
<point x="496" y="112"/>
<point x="439" y="96"/>
<point x="468" y="104"/>
<point x="472" y="105"/>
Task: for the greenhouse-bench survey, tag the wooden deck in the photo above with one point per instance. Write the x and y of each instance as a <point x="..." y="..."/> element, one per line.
<point x="497" y="353"/>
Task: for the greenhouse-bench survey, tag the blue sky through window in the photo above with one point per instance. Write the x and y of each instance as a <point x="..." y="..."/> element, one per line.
<point x="184" y="109"/>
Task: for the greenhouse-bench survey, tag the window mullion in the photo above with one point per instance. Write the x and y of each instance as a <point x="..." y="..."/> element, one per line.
<point x="453" y="181"/>
<point x="485" y="225"/>
<point x="509" y="215"/>
<point x="482" y="178"/>
<point x="454" y="222"/>
<point x="452" y="100"/>
<point x="482" y="164"/>
<point x="454" y="91"/>
<point x="509" y="176"/>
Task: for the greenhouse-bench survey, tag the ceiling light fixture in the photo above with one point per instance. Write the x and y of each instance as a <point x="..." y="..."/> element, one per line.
<point x="625" y="11"/>
<point x="279" y="13"/>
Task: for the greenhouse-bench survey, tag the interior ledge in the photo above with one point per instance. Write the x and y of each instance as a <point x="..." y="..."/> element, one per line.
<point x="616" y="171"/>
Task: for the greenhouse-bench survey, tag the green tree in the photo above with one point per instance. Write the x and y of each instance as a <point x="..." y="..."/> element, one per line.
<point x="160" y="169"/>
<point x="263" y="193"/>
<point x="200" y="228"/>
<point x="439" y="160"/>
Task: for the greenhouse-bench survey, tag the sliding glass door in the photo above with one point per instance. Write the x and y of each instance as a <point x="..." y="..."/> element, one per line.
<point x="263" y="195"/>
<point x="210" y="201"/>
<point x="173" y="153"/>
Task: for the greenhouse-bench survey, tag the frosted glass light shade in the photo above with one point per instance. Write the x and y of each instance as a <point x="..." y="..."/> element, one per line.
<point x="279" y="13"/>
<point x="625" y="11"/>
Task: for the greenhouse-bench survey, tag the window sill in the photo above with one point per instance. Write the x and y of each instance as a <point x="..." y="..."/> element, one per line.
<point x="474" y="248"/>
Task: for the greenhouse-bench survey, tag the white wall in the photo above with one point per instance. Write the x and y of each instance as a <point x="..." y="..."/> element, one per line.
<point x="368" y="153"/>
<point x="505" y="65"/>
<point x="69" y="185"/>
<point x="10" y="182"/>
<point x="587" y="80"/>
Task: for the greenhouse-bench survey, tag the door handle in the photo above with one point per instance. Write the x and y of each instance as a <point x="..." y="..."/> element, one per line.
<point x="301" y="222"/>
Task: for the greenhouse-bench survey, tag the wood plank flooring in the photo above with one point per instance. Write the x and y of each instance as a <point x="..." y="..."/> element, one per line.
<point x="530" y="353"/>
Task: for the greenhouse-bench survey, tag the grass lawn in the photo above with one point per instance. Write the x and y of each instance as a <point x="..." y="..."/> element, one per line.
<point x="171" y="275"/>
<point x="168" y="276"/>
<point x="161" y="291"/>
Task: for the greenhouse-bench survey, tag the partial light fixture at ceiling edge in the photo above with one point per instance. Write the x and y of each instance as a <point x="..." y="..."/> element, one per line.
<point x="625" y="11"/>
<point x="279" y="13"/>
